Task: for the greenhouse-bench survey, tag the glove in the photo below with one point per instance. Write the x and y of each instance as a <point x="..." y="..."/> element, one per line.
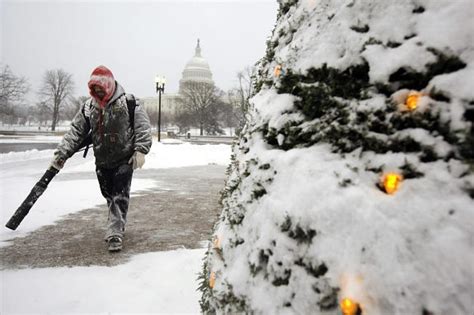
<point x="137" y="160"/>
<point x="58" y="162"/>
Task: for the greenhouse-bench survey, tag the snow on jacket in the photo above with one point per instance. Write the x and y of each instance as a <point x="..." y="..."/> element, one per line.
<point x="114" y="140"/>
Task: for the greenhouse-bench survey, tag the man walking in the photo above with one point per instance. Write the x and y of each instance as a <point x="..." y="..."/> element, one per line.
<point x="121" y="137"/>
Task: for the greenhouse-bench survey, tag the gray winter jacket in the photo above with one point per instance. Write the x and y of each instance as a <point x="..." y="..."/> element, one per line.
<point x="113" y="138"/>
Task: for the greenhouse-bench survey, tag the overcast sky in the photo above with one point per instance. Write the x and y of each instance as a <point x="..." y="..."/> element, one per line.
<point x="135" y="39"/>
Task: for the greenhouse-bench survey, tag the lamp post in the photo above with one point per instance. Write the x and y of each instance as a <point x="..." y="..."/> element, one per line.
<point x="160" y="88"/>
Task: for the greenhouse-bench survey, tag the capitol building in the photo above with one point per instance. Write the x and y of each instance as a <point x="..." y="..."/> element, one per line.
<point x="197" y="70"/>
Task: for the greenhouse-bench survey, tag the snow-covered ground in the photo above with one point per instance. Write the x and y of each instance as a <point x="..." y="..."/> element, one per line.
<point x="158" y="283"/>
<point x="30" y="139"/>
<point x="63" y="127"/>
<point x="163" y="282"/>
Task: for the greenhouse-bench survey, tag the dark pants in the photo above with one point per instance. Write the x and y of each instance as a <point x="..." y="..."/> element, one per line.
<point x="115" y="187"/>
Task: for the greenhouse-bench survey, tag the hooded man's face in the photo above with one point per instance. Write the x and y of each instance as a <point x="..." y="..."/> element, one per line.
<point x="101" y="85"/>
<point x="98" y="91"/>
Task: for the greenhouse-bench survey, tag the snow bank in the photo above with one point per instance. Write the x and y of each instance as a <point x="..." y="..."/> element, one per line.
<point x="168" y="154"/>
<point x="186" y="154"/>
<point x="154" y="283"/>
<point x="174" y="154"/>
<point x="30" y="139"/>
<point x="25" y="156"/>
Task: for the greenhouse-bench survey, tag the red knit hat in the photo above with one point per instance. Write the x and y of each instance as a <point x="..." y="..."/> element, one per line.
<point x="102" y="77"/>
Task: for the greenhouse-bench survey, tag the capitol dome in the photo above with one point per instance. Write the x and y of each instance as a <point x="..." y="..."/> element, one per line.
<point x="197" y="70"/>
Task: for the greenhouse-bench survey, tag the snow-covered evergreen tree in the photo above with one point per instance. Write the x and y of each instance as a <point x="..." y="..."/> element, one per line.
<point x="348" y="91"/>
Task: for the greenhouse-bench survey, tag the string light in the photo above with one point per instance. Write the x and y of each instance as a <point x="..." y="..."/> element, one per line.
<point x="216" y="243"/>
<point x="217" y="246"/>
<point x="212" y="280"/>
<point x="391" y="182"/>
<point x="278" y="71"/>
<point x="412" y="99"/>
<point x="349" y="307"/>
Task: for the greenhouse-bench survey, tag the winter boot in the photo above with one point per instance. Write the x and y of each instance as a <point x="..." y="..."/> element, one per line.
<point x="115" y="244"/>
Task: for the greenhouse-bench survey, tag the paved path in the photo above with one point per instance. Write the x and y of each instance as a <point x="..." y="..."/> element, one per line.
<point x="179" y="213"/>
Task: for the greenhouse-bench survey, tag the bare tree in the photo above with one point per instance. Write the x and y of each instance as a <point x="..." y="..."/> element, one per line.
<point x="152" y="115"/>
<point x="183" y="119"/>
<point x="12" y="91"/>
<point x="167" y="118"/>
<point x="56" y="87"/>
<point x="215" y="118"/>
<point x="200" y="102"/>
<point x="231" y="116"/>
<point x="42" y="113"/>
<point x="239" y="97"/>
<point x="23" y="114"/>
<point x="73" y="106"/>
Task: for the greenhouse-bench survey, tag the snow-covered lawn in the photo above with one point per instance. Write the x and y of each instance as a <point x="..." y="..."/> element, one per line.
<point x="163" y="282"/>
<point x="30" y="139"/>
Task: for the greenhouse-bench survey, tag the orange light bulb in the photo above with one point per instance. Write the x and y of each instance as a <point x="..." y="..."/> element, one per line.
<point x="391" y="182"/>
<point x="412" y="100"/>
<point x="277" y="71"/>
<point x="212" y="280"/>
<point x="349" y="307"/>
<point x="216" y="242"/>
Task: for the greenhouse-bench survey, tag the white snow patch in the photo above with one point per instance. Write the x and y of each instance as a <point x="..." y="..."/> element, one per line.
<point x="385" y="61"/>
<point x="186" y="154"/>
<point x="449" y="83"/>
<point x="153" y="283"/>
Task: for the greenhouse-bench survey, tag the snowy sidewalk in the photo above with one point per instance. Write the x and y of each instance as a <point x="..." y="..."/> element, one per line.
<point x="57" y="262"/>
<point x="178" y="213"/>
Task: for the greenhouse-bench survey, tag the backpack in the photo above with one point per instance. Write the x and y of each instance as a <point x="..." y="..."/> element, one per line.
<point x="131" y="104"/>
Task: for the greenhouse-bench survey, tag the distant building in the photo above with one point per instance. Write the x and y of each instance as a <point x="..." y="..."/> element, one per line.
<point x="196" y="71"/>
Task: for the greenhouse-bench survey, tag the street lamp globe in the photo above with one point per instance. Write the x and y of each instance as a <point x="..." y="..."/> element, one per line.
<point x="160" y="83"/>
<point x="160" y="88"/>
